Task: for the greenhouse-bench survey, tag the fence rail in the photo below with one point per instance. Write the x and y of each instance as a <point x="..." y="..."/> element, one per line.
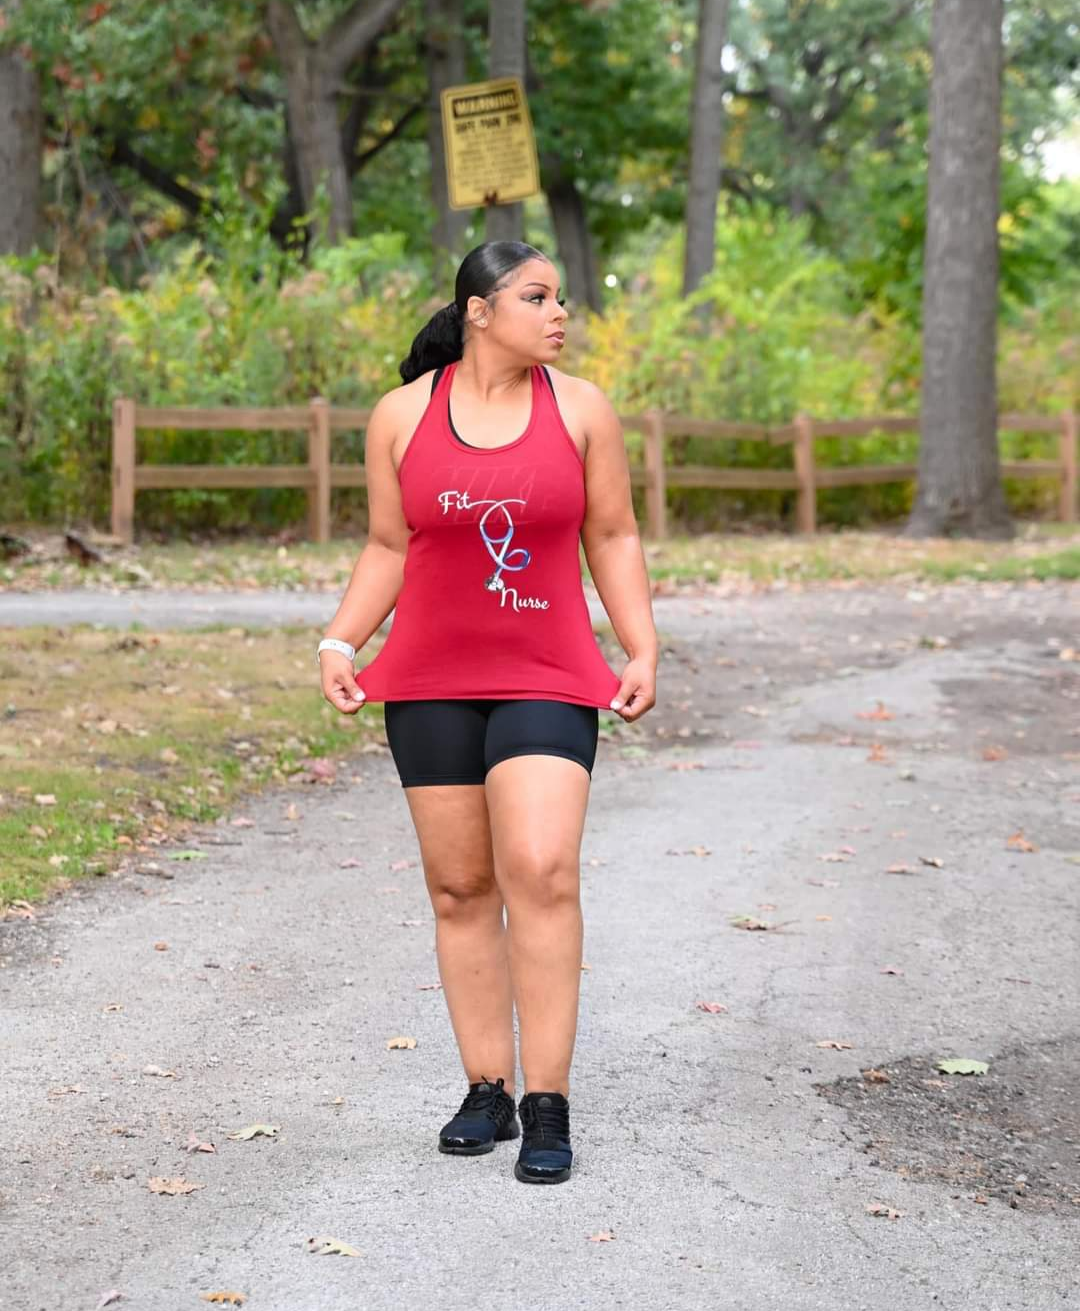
<point x="319" y="475"/>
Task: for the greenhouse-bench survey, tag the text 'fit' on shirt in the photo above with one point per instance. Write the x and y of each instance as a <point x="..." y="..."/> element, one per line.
<point x="492" y="603"/>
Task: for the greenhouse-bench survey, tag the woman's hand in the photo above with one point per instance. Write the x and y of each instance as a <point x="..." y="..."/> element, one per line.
<point x="339" y="682"/>
<point x="637" y="690"/>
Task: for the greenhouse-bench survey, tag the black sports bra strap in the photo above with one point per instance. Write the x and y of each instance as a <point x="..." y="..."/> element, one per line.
<point x="437" y="376"/>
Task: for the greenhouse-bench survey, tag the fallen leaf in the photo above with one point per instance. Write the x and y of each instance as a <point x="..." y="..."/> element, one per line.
<point x="45" y="798"/>
<point x="900" y="869"/>
<point x="686" y="764"/>
<point x="255" y="1131"/>
<point x="326" y="1246"/>
<point x="936" y="861"/>
<point x="1018" y="842"/>
<point x="713" y="1007"/>
<point x="242" y="821"/>
<point x="401" y="864"/>
<point x="823" y="917"/>
<point x="879" y="1208"/>
<point x="427" y="987"/>
<point x="187" y="855"/>
<point x="194" y="1145"/>
<point x="350" y="862"/>
<point x="875" y="1076"/>
<point x="879" y="713"/>
<point x="400" y="1042"/>
<point x="233" y="1299"/>
<point x="962" y="1066"/>
<point x="159" y="1072"/>
<point x="173" y="1187"/>
<point x="107" y="1299"/>
<point x="824" y="883"/>
<point x="890" y="969"/>
<point x="836" y="1043"/>
<point x="602" y="1236"/>
<point x="161" y="946"/>
<point x="878" y="753"/>
<point x="994" y="752"/>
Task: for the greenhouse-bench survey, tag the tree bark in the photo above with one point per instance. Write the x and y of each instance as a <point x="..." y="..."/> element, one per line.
<point x="445" y="48"/>
<point x="313" y="72"/>
<point x="960" y="492"/>
<point x="706" y="143"/>
<point x="568" y="217"/>
<point x="506" y="58"/>
<point x="21" y="128"/>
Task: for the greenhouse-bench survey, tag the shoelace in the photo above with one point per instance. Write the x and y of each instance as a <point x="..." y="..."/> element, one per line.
<point x="484" y="1099"/>
<point x="545" y="1121"/>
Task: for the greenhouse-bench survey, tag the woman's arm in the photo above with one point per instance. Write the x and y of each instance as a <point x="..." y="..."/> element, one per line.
<point x="613" y="550"/>
<point x="379" y="571"/>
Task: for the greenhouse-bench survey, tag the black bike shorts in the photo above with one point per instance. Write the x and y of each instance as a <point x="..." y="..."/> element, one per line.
<point x="458" y="741"/>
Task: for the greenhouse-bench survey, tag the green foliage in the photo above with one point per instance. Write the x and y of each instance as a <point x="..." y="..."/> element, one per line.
<point x="243" y="323"/>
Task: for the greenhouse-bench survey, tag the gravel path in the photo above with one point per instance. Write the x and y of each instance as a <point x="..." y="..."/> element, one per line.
<point x="702" y="1142"/>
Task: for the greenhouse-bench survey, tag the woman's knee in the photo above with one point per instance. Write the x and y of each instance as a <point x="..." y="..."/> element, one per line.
<point x="544" y="878"/>
<point x="464" y="895"/>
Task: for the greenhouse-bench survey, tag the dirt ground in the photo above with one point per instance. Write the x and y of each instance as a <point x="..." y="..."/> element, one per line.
<point x="1012" y="1134"/>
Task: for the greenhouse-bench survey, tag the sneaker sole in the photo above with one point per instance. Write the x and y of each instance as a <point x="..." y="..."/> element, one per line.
<point x="479" y="1149"/>
<point x="540" y="1179"/>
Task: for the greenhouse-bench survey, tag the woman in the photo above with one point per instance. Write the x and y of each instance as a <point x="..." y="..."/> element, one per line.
<point x="491" y="677"/>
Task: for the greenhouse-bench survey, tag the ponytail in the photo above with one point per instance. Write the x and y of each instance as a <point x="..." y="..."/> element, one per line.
<point x="484" y="270"/>
<point x="440" y="341"/>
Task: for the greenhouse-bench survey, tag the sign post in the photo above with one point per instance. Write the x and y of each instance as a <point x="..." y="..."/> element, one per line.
<point x="490" y="147"/>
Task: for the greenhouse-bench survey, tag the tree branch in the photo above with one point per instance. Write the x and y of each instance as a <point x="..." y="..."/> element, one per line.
<point x="120" y="151"/>
<point x="346" y="39"/>
<point x="357" y="162"/>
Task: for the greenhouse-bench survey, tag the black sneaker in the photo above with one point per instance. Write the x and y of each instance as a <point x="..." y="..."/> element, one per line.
<point x="545" y="1153"/>
<point x="487" y="1116"/>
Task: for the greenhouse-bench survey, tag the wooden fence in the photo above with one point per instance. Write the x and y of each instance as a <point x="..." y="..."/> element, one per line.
<point x="319" y="476"/>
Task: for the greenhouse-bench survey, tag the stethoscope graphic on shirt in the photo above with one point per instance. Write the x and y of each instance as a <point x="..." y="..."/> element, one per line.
<point x="497" y="547"/>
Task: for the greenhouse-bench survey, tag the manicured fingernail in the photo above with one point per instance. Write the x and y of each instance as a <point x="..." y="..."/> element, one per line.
<point x="616" y="705"/>
<point x="358" y="696"/>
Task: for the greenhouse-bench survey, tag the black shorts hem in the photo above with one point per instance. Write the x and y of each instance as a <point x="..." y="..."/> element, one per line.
<point x="541" y="751"/>
<point x="428" y="780"/>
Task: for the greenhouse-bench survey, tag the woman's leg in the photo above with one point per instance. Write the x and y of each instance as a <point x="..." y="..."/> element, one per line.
<point x="470" y="936"/>
<point x="536" y="806"/>
<point x="451" y="822"/>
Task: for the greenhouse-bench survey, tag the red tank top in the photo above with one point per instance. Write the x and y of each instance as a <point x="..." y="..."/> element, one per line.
<point x="492" y="603"/>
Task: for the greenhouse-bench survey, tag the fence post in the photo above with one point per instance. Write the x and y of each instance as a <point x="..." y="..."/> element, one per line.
<point x="123" y="469"/>
<point x="655" y="480"/>
<point x="319" y="461"/>
<point x="803" y="455"/>
<point x="1069" y="478"/>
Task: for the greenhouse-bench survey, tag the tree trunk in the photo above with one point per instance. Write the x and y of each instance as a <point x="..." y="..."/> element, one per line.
<point x="572" y="233"/>
<point x="706" y="143"/>
<point x="960" y="492"/>
<point x="445" y="44"/>
<point x="314" y="73"/>
<point x="506" y="58"/>
<point x="21" y="129"/>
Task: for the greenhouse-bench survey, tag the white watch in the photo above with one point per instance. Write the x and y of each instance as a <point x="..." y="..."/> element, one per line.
<point x="335" y="644"/>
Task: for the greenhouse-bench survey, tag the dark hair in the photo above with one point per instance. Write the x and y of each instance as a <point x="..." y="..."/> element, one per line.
<point x="441" y="339"/>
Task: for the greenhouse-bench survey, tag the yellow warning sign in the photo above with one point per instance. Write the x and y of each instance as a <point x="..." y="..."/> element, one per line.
<point x="490" y="147"/>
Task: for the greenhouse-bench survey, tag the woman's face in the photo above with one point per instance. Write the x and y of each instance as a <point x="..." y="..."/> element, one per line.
<point x="529" y="315"/>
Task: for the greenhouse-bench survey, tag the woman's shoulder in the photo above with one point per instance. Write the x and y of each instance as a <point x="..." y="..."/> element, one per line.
<point x="586" y="397"/>
<point x="403" y="404"/>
